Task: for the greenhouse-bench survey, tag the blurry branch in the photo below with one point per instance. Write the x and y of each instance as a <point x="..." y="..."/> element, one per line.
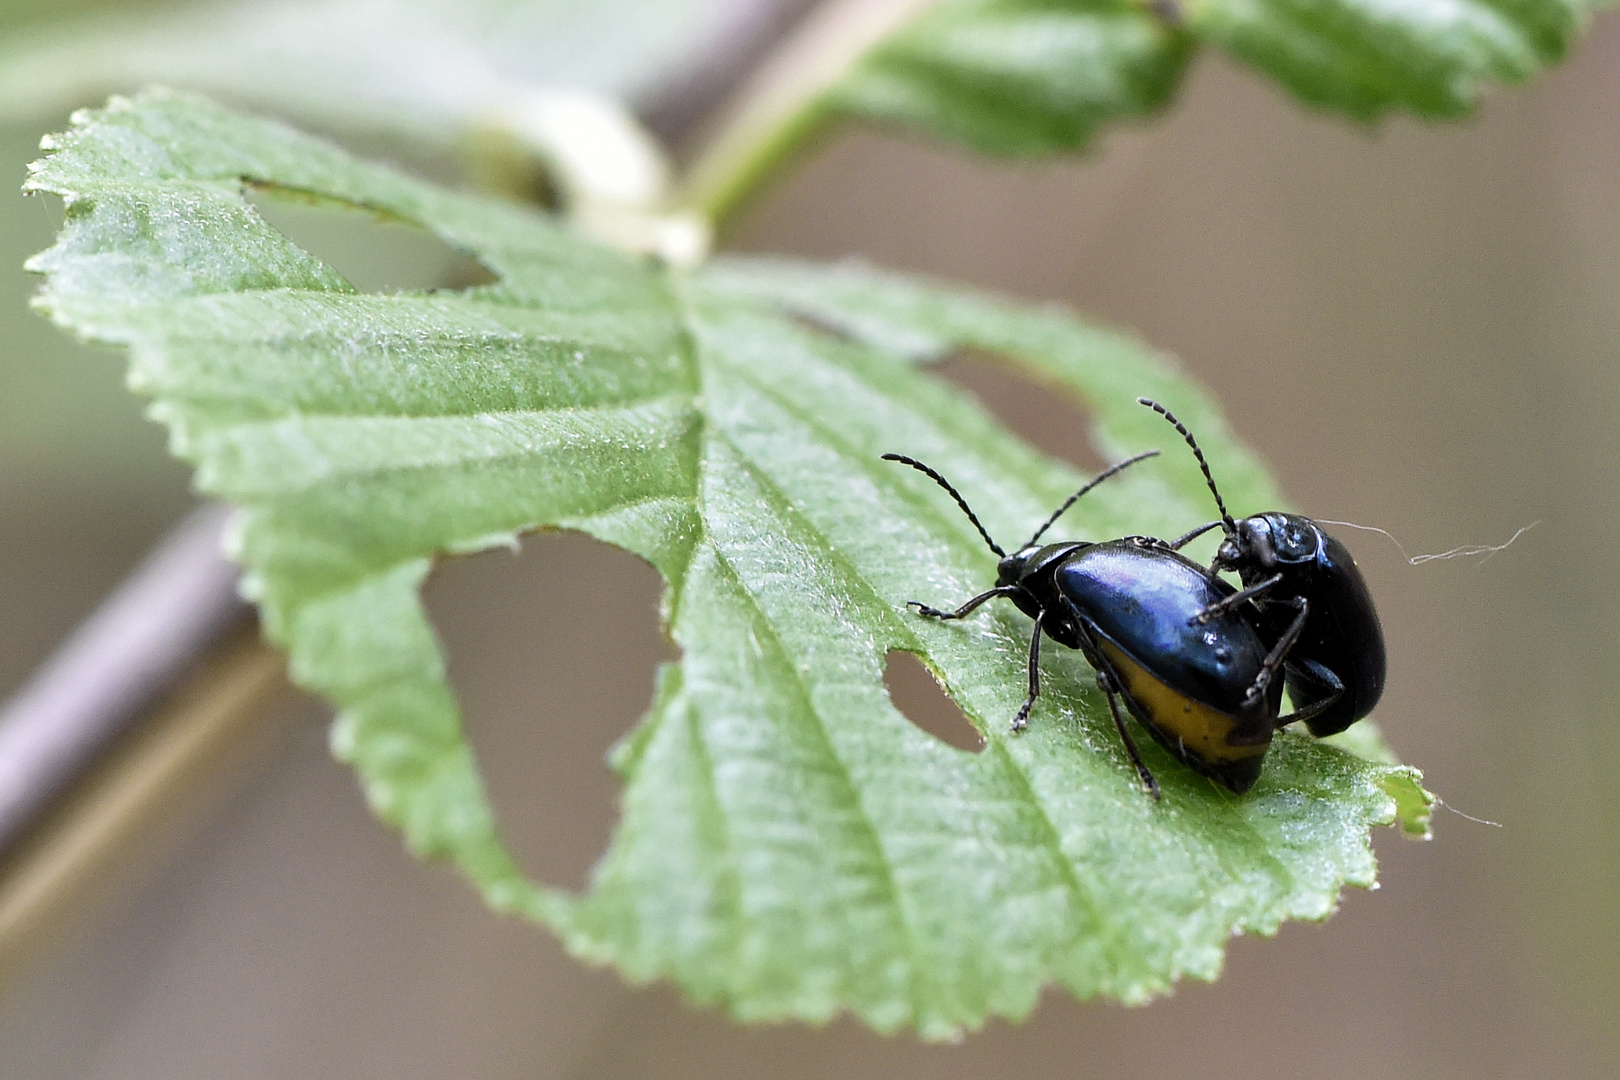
<point x="780" y="108"/>
<point x="93" y="839"/>
<point x="129" y="652"/>
<point x="681" y="111"/>
<point x="181" y="604"/>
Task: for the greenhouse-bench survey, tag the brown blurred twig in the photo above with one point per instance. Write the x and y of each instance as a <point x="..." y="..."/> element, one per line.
<point x="93" y="838"/>
<point x="134" y="647"/>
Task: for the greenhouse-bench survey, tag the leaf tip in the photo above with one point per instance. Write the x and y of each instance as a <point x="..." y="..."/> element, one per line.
<point x="1414" y="804"/>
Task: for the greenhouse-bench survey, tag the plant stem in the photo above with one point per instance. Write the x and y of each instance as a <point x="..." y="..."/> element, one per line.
<point x="785" y="103"/>
<point x="222" y="716"/>
<point x="166" y="614"/>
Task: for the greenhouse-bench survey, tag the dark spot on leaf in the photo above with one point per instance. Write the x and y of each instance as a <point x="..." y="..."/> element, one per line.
<point x="375" y="253"/>
<point x="924" y="702"/>
<point x="552" y="655"/>
<point x="818" y="325"/>
<point x="1046" y="418"/>
<point x="1169" y="11"/>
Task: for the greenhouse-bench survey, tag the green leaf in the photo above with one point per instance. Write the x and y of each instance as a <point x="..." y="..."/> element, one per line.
<point x="1025" y="77"/>
<point x="1369" y="57"/>
<point x="1019" y="78"/>
<point x="791" y="846"/>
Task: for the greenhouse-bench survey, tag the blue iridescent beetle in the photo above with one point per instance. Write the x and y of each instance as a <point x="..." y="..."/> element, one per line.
<point x="1309" y="602"/>
<point x="1163" y="634"/>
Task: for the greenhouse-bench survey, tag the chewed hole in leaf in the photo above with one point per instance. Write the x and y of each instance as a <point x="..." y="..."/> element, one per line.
<point x="552" y="653"/>
<point x="1047" y="418"/>
<point x="921" y="699"/>
<point x="376" y="254"/>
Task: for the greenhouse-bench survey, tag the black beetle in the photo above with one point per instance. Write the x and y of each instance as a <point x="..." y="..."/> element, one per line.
<point x="1313" y="607"/>
<point x="1159" y="631"/>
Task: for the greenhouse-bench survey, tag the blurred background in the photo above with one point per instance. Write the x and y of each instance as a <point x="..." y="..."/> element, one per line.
<point x="1416" y="325"/>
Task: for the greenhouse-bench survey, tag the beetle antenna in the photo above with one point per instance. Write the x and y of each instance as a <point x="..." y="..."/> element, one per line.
<point x="1226" y="518"/>
<point x="946" y="484"/>
<point x="1072" y="499"/>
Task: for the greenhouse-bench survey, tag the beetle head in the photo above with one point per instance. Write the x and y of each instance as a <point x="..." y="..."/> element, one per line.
<point x="1014" y="568"/>
<point x="1266" y="541"/>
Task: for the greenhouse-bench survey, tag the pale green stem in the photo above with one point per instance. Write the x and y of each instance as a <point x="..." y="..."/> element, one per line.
<point x="784" y="104"/>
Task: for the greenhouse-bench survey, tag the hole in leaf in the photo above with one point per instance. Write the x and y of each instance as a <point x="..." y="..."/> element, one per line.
<point x="552" y="655"/>
<point x="376" y="254"/>
<point x="1046" y="418"/>
<point x="924" y="702"/>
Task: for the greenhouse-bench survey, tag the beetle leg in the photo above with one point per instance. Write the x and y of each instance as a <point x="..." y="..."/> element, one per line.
<point x="1316" y="708"/>
<point x="962" y="612"/>
<point x="1242" y="596"/>
<point x="1109" y="689"/>
<point x="1182" y="541"/>
<point x="1022" y="718"/>
<point x="1279" y="652"/>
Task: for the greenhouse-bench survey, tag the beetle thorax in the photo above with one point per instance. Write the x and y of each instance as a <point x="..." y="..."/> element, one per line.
<point x="1023" y="566"/>
<point x="1262" y="543"/>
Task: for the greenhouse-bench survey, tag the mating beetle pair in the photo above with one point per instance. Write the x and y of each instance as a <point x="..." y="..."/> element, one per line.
<point x="1195" y="659"/>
